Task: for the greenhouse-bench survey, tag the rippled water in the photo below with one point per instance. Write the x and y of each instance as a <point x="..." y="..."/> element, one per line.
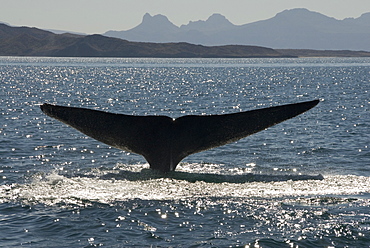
<point x="302" y="183"/>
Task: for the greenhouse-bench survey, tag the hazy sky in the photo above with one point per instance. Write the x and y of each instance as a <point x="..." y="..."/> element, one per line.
<point x="99" y="16"/>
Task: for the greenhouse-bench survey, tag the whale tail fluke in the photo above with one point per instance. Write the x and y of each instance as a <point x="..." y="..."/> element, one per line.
<point x="164" y="142"/>
<point x="205" y="132"/>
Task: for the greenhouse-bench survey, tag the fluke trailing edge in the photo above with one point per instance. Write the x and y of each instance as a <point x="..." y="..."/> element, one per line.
<point x="164" y="141"/>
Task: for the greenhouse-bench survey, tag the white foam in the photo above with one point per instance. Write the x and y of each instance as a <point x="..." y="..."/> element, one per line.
<point x="108" y="187"/>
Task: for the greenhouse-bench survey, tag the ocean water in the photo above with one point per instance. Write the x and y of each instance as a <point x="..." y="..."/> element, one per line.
<point x="302" y="183"/>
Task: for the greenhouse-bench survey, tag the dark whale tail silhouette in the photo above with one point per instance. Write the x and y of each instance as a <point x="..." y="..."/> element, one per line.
<point x="164" y="141"/>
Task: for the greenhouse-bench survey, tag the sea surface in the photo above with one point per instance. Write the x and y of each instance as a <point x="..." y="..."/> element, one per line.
<point x="302" y="183"/>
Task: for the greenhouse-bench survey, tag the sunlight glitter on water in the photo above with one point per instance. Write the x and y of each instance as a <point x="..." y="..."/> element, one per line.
<point x="59" y="187"/>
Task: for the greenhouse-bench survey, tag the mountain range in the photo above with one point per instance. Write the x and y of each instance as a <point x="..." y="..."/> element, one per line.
<point x="291" y="33"/>
<point x="25" y="41"/>
<point x="290" y="29"/>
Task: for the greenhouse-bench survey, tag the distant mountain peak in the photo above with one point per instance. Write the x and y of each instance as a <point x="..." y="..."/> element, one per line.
<point x="158" y="18"/>
<point x="305" y="17"/>
<point x="300" y="13"/>
<point x="152" y="23"/>
<point x="217" y="18"/>
<point x="296" y="10"/>
<point x="214" y="22"/>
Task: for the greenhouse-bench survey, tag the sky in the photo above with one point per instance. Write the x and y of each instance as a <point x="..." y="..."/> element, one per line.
<point x="99" y="16"/>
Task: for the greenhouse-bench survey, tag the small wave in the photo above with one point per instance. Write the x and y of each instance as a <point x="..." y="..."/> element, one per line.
<point x="209" y="173"/>
<point x="139" y="182"/>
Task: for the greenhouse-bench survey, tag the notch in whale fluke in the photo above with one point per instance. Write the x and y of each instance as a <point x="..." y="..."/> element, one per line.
<point x="163" y="141"/>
